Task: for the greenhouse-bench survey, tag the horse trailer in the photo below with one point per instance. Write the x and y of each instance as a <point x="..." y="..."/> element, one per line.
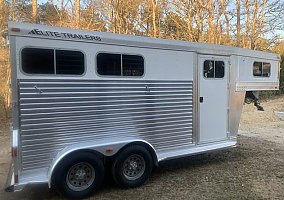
<point x="83" y="98"/>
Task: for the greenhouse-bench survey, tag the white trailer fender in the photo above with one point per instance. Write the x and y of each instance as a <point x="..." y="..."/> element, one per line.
<point x="106" y="148"/>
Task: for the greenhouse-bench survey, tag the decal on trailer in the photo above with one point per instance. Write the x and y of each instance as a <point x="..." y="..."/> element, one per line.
<point x="64" y="35"/>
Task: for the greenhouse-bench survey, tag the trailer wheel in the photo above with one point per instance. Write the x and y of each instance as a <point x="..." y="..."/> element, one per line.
<point x="132" y="167"/>
<point x="79" y="175"/>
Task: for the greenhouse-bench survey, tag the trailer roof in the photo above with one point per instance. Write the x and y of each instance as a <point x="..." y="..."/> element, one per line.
<point x="59" y="33"/>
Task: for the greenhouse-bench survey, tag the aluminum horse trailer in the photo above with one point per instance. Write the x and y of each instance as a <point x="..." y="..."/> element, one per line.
<point x="81" y="98"/>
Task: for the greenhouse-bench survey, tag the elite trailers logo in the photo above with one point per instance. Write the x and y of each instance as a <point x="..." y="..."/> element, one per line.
<point x="64" y="35"/>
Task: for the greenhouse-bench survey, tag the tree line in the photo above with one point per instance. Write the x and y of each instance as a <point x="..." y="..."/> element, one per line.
<point x="249" y="24"/>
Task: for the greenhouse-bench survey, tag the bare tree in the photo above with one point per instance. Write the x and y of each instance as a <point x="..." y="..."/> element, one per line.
<point x="13" y="10"/>
<point x="34" y="10"/>
<point x="260" y="17"/>
<point x="4" y="59"/>
<point x="223" y="11"/>
<point x="154" y="18"/>
<point x="77" y="13"/>
<point x="210" y="33"/>
<point x="238" y="23"/>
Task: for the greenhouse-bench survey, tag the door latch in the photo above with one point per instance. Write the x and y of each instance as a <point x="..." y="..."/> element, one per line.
<point x="201" y="99"/>
<point x="39" y="91"/>
<point x="147" y="88"/>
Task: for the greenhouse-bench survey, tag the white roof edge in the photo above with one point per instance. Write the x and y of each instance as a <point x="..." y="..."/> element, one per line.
<point x="54" y="32"/>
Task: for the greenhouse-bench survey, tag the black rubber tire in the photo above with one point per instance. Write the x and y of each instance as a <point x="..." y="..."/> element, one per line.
<point x="117" y="167"/>
<point x="59" y="176"/>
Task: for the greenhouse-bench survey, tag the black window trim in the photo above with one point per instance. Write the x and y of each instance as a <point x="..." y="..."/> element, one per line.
<point x="214" y="78"/>
<point x="121" y="75"/>
<point x="261" y="69"/>
<point x="54" y="60"/>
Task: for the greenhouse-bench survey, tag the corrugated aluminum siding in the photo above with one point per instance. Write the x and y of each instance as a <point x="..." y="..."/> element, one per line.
<point x="57" y="113"/>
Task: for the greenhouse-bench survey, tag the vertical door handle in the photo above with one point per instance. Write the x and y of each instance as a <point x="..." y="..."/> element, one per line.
<point x="201" y="99"/>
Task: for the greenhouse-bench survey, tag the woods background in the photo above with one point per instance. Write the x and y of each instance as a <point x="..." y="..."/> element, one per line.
<point x="253" y="24"/>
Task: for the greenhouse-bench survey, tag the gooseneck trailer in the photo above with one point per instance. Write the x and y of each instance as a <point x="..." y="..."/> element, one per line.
<point x="81" y="98"/>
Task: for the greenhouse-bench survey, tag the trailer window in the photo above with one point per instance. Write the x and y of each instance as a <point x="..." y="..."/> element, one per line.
<point x="109" y="64"/>
<point x="132" y="65"/>
<point x="219" y="69"/>
<point x="261" y="69"/>
<point x="213" y="69"/>
<point x="43" y="61"/>
<point x="38" y="61"/>
<point x="208" y="71"/>
<point x="120" y="64"/>
<point x="69" y="62"/>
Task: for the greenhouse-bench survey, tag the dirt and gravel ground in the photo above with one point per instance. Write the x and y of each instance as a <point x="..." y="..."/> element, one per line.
<point x="253" y="170"/>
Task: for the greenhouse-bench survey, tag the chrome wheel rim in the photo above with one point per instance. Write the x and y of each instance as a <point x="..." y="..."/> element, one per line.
<point x="134" y="167"/>
<point x="80" y="176"/>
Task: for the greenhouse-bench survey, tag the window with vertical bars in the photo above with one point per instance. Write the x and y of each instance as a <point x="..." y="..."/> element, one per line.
<point x="120" y="64"/>
<point x="213" y="69"/>
<point x="52" y="61"/>
<point x="261" y="69"/>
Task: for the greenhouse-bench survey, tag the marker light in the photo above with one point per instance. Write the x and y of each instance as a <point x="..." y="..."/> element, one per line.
<point x="109" y="150"/>
<point x="14" y="151"/>
<point x="15" y="29"/>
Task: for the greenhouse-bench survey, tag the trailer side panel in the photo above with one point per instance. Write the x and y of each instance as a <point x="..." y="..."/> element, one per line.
<point x="58" y="113"/>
